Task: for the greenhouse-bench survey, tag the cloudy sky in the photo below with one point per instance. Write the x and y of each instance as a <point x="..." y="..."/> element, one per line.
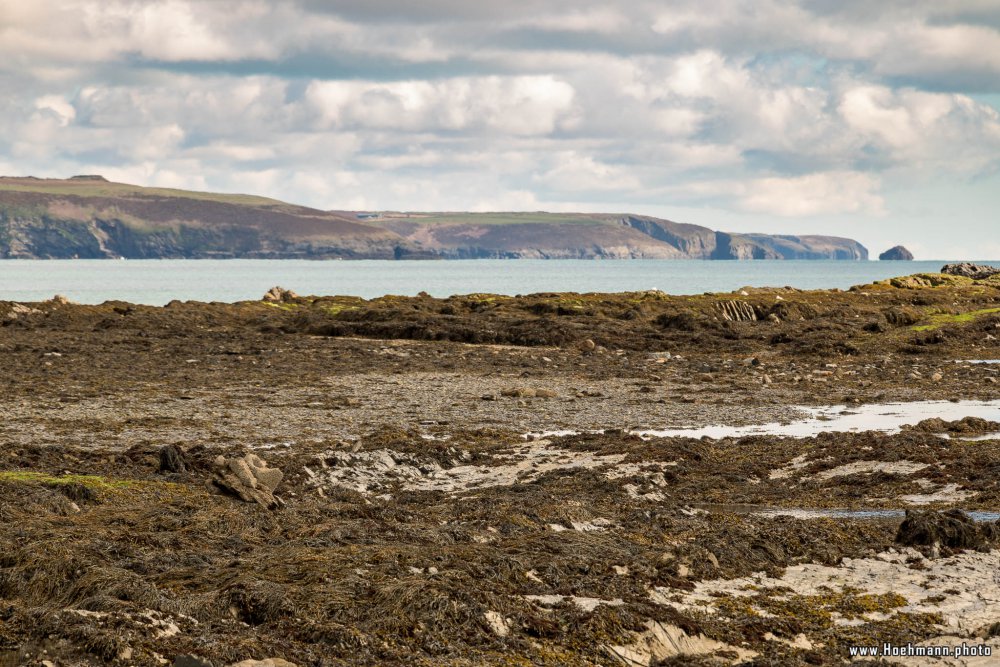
<point x="872" y="119"/>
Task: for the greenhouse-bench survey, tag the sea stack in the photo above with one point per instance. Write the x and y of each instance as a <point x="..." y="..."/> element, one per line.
<point x="897" y="253"/>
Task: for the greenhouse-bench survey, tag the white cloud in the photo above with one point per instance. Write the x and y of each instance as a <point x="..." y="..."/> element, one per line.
<point x="524" y="105"/>
<point x="813" y="194"/>
<point x="573" y="172"/>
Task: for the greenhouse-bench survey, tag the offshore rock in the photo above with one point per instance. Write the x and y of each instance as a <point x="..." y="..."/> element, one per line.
<point x="897" y="253"/>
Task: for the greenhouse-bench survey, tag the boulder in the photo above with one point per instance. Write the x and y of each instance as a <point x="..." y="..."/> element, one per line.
<point x="279" y="295"/>
<point x="192" y="661"/>
<point x="897" y="253"/>
<point x="248" y="478"/>
<point x="967" y="270"/>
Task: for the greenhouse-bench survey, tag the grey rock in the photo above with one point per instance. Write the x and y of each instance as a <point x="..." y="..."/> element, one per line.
<point x="968" y="270"/>
<point x="279" y="295"/>
<point x="248" y="478"/>
<point x="897" y="253"/>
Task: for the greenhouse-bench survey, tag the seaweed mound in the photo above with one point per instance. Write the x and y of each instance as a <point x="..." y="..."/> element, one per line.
<point x="951" y="528"/>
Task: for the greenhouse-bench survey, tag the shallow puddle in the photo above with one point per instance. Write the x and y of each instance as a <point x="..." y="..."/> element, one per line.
<point x="886" y="418"/>
<point x="804" y="513"/>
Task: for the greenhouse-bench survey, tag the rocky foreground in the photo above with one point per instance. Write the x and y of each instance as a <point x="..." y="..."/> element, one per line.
<point x="480" y="480"/>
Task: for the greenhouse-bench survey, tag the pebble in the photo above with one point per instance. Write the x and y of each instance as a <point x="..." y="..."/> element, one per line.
<point x="586" y="345"/>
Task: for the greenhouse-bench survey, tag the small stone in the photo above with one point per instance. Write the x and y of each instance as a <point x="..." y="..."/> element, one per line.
<point x="519" y="392"/>
<point x="498" y="624"/>
<point x="586" y="345"/>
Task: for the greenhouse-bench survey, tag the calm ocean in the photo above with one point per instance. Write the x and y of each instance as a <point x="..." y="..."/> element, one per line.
<point x="156" y="282"/>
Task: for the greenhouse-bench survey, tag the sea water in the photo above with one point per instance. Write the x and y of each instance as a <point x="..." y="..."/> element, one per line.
<point x="158" y="281"/>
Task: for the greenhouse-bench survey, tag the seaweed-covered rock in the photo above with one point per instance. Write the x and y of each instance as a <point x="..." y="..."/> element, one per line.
<point x="248" y="478"/>
<point x="172" y="459"/>
<point x="950" y="528"/>
<point x="966" y="425"/>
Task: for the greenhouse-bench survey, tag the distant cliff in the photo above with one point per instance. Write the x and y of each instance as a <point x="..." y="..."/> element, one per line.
<point x="89" y="217"/>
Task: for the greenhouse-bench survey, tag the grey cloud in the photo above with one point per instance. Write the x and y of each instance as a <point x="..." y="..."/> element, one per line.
<point x="434" y="11"/>
<point x="529" y="104"/>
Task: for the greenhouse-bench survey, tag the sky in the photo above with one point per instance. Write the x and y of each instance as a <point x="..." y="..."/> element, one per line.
<point x="875" y="120"/>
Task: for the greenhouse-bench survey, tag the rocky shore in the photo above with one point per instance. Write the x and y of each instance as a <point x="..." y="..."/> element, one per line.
<point x="486" y="480"/>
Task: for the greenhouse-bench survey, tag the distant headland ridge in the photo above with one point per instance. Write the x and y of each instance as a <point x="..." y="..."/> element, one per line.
<point x="90" y="217"/>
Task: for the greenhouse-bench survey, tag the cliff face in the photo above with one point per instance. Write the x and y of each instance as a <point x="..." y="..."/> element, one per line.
<point x="703" y="243"/>
<point x="88" y="217"/>
<point x="533" y="240"/>
<point x="95" y="219"/>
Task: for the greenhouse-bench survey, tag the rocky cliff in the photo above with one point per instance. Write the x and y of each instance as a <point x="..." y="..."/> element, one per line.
<point x="89" y="217"/>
